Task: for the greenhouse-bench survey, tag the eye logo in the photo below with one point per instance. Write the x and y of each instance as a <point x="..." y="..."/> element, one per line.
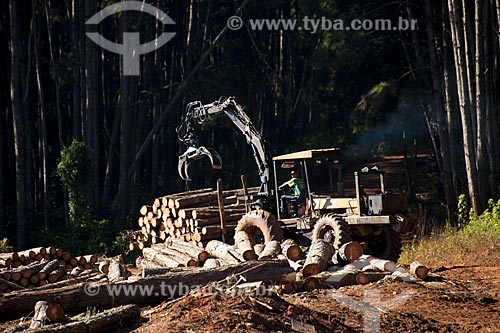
<point x="131" y="49"/>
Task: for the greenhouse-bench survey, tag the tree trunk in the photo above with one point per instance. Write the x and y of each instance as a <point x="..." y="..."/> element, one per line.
<point x="223" y="252"/>
<point x="159" y="258"/>
<point x="18" y="110"/>
<point x="437" y="87"/>
<point x="43" y="115"/>
<point x="348" y="252"/>
<point x="244" y="246"/>
<point x="481" y="134"/>
<point x="458" y="40"/>
<point x="320" y="253"/>
<point x="451" y="107"/>
<point x="419" y="270"/>
<point x="75" y="300"/>
<point x="271" y="250"/>
<point x="291" y="250"/>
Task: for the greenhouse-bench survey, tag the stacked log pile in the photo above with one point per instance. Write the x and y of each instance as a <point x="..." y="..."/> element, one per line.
<point x="192" y="216"/>
<point x="42" y="266"/>
<point x="317" y="267"/>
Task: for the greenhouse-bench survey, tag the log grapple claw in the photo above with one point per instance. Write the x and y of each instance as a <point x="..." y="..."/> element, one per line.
<point x="195" y="153"/>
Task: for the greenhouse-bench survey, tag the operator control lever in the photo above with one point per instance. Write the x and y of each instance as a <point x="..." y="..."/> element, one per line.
<point x="194" y="153"/>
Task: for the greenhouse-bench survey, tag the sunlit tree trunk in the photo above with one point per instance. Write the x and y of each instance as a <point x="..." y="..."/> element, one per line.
<point x="43" y="115"/>
<point x="465" y="103"/>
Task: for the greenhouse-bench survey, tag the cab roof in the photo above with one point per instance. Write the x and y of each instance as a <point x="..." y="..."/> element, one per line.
<point x="309" y="154"/>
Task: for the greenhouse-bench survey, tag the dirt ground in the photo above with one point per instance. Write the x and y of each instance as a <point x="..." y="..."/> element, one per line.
<point x="456" y="299"/>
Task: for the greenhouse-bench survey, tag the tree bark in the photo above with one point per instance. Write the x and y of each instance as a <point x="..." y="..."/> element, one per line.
<point x="419" y="270"/>
<point x="74" y="299"/>
<point x="19" y="113"/>
<point x="244" y="246"/>
<point x="291" y="250"/>
<point x="437" y="87"/>
<point x="271" y="250"/>
<point x="320" y="253"/>
<point x="461" y="55"/>
<point x="223" y="252"/>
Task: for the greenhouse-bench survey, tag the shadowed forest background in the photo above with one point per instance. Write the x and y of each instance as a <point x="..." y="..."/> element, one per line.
<point x="83" y="147"/>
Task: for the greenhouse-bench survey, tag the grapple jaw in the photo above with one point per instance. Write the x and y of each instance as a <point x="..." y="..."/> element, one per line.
<point x="195" y="153"/>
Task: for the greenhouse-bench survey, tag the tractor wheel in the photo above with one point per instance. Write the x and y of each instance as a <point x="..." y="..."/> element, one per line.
<point x="261" y="227"/>
<point x="387" y="245"/>
<point x="332" y="229"/>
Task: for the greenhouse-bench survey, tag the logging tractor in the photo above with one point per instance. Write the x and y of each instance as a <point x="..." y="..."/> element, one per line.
<point x="371" y="216"/>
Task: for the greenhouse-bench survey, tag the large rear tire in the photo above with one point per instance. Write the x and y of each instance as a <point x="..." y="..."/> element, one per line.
<point x="332" y="229"/>
<point x="261" y="227"/>
<point x="387" y="245"/>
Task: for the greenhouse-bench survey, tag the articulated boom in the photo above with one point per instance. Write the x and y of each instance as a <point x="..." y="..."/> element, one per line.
<point x="197" y="113"/>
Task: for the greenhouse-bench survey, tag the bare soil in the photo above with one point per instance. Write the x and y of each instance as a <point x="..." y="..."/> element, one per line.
<point x="454" y="299"/>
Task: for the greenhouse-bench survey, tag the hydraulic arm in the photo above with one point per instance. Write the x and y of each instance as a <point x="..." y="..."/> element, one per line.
<point x="196" y="114"/>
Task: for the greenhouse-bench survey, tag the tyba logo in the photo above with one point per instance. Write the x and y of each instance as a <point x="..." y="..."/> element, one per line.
<point x="131" y="49"/>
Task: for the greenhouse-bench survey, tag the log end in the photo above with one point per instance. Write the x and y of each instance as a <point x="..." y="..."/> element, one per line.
<point x="311" y="269"/>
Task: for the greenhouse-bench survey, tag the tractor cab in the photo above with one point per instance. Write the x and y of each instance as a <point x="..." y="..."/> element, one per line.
<point x="364" y="211"/>
<point x="308" y="165"/>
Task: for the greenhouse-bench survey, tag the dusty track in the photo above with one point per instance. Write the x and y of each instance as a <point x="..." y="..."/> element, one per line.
<point x="462" y="299"/>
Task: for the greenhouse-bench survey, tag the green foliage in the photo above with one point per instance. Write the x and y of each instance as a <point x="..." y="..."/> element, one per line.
<point x="120" y="246"/>
<point x="478" y="239"/>
<point x="463" y="210"/>
<point x="4" y="246"/>
<point x="74" y="169"/>
<point x="372" y="107"/>
<point x="91" y="236"/>
<point x="91" y="312"/>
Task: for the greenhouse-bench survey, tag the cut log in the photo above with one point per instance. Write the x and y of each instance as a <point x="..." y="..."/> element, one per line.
<point x="24" y="282"/>
<point x="292" y="283"/>
<point x="40" y="317"/>
<point x="224" y="252"/>
<point x="244" y="246"/>
<point x="419" y="270"/>
<point x="34" y="279"/>
<point x="203" y="213"/>
<point x="25" y="272"/>
<point x="383" y="265"/>
<point x="187" y="248"/>
<point x="340" y="278"/>
<point x="320" y="253"/>
<point x="271" y="250"/>
<point x="359" y="264"/>
<point x="6" y="275"/>
<point x="104" y="267"/>
<point x="6" y="262"/>
<point x="400" y="274"/>
<point x="215" y="221"/>
<point x="291" y="250"/>
<point x="181" y="257"/>
<point x="116" y="272"/>
<point x="258" y="248"/>
<point x="105" y="321"/>
<point x="31" y="253"/>
<point x="141" y="262"/>
<point x="74" y="300"/>
<point x="220" y="202"/>
<point x="196" y="199"/>
<point x="145" y="209"/>
<point x="161" y="259"/>
<point x="57" y="274"/>
<point x="212" y="263"/>
<point x="4" y="285"/>
<point x="66" y="256"/>
<point x="348" y="252"/>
